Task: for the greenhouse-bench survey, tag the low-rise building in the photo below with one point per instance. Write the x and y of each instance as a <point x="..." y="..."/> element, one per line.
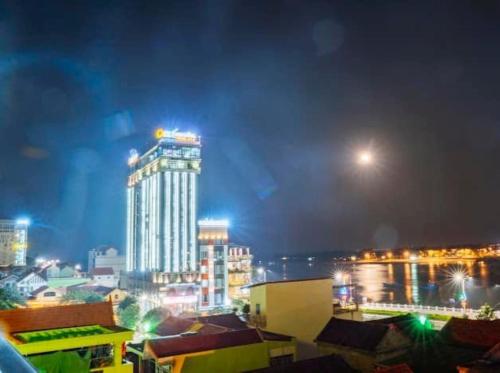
<point x="46" y="296"/>
<point x="113" y="295"/>
<point x="362" y="345"/>
<point x="104" y="276"/>
<point x="106" y="256"/>
<point x="239" y="266"/>
<point x="299" y="308"/>
<point x="268" y="349"/>
<point x="71" y="338"/>
<point x="30" y="282"/>
<point x="227" y="352"/>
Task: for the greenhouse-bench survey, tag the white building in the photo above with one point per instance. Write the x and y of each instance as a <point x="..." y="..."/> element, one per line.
<point x="13" y="242"/>
<point x="213" y="239"/>
<point x="30" y="282"/>
<point x="106" y="257"/>
<point x="162" y="205"/>
<point x="104" y="276"/>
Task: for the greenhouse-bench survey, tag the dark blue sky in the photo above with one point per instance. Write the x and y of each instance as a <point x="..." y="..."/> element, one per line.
<point x="283" y="93"/>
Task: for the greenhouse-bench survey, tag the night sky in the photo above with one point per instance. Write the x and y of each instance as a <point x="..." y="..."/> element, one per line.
<point x="283" y="93"/>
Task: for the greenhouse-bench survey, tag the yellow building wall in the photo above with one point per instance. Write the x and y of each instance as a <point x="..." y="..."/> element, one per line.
<point x="297" y="308"/>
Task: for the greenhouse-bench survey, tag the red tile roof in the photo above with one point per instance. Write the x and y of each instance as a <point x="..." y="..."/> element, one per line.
<point x="472" y="333"/>
<point x="268" y="336"/>
<point x="45" y="318"/>
<point x="355" y="334"/>
<point x="173" y="326"/>
<point x="102" y="271"/>
<point x="227" y="320"/>
<point x="165" y="347"/>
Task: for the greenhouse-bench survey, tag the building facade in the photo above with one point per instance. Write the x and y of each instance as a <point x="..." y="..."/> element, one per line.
<point x="106" y="257"/>
<point x="213" y="239"/>
<point x="239" y="266"/>
<point x="162" y="205"/>
<point x="13" y="242"/>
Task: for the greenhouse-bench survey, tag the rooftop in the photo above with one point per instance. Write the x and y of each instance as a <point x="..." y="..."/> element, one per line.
<point x="227" y="320"/>
<point x="45" y="318"/>
<point x="355" y="334"/>
<point x="287" y="281"/>
<point x="165" y="347"/>
<point x="481" y="334"/>
<point x="102" y="271"/>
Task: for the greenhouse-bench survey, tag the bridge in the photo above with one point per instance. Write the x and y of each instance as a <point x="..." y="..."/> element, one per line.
<point x="436" y="310"/>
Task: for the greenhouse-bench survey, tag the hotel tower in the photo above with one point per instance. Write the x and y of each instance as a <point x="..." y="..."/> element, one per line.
<point x="162" y="205"/>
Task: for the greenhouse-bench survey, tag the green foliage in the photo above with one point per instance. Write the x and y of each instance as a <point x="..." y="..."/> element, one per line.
<point x="129" y="300"/>
<point x="129" y="316"/>
<point x="430" y="316"/>
<point x="246" y="308"/>
<point x="153" y="318"/>
<point x="82" y="296"/>
<point x="486" y="312"/>
<point x="10" y="298"/>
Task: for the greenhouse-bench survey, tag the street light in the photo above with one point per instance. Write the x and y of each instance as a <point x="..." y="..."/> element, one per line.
<point x="460" y="278"/>
<point x="365" y="158"/>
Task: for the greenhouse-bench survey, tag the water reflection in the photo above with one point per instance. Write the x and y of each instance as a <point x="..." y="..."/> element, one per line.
<point x="428" y="283"/>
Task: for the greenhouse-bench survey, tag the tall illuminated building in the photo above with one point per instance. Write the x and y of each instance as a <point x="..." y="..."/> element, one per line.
<point x="162" y="205"/>
<point x="13" y="242"/>
<point x="213" y="238"/>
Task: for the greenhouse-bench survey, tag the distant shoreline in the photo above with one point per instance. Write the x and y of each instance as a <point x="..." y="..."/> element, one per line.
<point x="423" y="260"/>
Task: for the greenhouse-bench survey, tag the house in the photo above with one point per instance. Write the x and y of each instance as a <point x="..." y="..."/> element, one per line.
<point x="227" y="352"/>
<point x="69" y="338"/>
<point x="9" y="281"/>
<point x="476" y="334"/>
<point x="362" y="344"/>
<point x="104" y="276"/>
<point x="114" y="295"/>
<point x="279" y="349"/>
<point x="105" y="256"/>
<point x="46" y="296"/>
<point x="286" y="307"/>
<point x="30" y="282"/>
<point x="61" y="270"/>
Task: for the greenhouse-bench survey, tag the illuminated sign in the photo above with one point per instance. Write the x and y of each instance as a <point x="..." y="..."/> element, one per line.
<point x="174" y="135"/>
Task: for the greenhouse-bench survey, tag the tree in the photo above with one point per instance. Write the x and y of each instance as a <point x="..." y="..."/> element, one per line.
<point x="129" y="316"/>
<point x="129" y="300"/>
<point x="486" y="312"/>
<point x="246" y="308"/>
<point x="153" y="318"/>
<point x="10" y="298"/>
<point x="82" y="296"/>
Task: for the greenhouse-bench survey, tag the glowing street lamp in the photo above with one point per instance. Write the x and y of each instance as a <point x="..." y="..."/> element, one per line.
<point x="460" y="278"/>
<point x="365" y="158"/>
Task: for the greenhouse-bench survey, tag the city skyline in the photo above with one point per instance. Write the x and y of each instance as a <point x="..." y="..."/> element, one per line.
<point x="283" y="113"/>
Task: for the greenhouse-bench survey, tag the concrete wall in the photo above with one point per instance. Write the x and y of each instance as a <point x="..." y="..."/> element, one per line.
<point x="297" y="308"/>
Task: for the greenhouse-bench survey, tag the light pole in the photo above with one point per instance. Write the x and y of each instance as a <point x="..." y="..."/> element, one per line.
<point x="460" y="278"/>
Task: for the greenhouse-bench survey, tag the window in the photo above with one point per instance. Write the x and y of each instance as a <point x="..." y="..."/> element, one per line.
<point x="257" y="309"/>
<point x="49" y="294"/>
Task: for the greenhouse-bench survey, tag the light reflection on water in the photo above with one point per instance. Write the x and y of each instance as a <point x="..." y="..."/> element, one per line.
<point x="413" y="283"/>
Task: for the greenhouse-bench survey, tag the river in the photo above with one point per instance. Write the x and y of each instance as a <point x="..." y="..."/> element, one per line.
<point x="410" y="283"/>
